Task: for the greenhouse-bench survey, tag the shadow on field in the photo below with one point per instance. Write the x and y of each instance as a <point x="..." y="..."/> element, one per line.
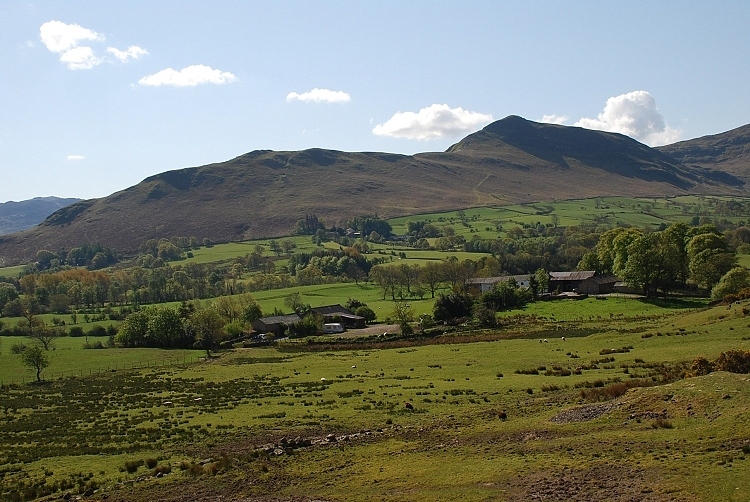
<point x="676" y="303"/>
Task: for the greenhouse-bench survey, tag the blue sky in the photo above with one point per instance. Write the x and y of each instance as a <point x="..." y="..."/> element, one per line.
<point x="96" y="96"/>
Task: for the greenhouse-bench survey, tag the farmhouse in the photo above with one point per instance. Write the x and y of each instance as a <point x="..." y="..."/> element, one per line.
<point x="587" y="281"/>
<point x="275" y="324"/>
<point x="484" y="284"/>
<point x="337" y="313"/>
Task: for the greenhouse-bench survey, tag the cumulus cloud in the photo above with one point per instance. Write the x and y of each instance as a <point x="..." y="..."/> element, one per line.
<point x="65" y="39"/>
<point x="76" y="157"/>
<point x="634" y="114"/>
<point x="188" y="77"/>
<point x="433" y="122"/>
<point x="80" y="58"/>
<point x="554" y="119"/>
<point x="320" y="96"/>
<point x="59" y="37"/>
<point x="132" y="52"/>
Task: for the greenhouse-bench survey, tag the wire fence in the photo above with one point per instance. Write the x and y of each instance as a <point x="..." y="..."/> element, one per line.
<point x="50" y="376"/>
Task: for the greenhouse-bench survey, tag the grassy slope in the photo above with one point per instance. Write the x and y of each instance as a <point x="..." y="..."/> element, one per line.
<point x="456" y="392"/>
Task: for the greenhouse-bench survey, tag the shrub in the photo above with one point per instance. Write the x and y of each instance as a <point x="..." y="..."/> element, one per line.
<point x="662" y="423"/>
<point x="151" y="462"/>
<point x="132" y="465"/>
<point x="17" y="348"/>
<point x="701" y="366"/>
<point x="733" y="361"/>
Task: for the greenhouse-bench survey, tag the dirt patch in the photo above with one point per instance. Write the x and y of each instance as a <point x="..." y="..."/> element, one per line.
<point x="616" y="483"/>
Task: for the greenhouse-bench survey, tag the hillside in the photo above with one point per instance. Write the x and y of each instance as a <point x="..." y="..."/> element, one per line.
<point x="18" y="216"/>
<point x="729" y="152"/>
<point x="263" y="193"/>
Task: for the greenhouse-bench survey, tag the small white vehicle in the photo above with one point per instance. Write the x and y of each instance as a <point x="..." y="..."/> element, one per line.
<point x="333" y="327"/>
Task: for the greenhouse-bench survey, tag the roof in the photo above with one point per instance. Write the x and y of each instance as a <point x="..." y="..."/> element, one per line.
<point x="352" y="316"/>
<point x="281" y="319"/>
<point x="572" y="276"/>
<point x="332" y="309"/>
<point x="495" y="280"/>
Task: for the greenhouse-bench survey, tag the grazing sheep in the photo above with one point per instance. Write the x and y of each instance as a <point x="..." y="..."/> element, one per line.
<point x="408" y="406"/>
<point x="354" y="366"/>
<point x="198" y="399"/>
<point x="545" y="340"/>
<point x="540" y="340"/>
<point x="563" y="339"/>
<point x="503" y="416"/>
<point x="167" y="403"/>
<point x="323" y="379"/>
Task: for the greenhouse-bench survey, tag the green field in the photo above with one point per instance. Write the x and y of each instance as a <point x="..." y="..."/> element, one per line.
<point x="685" y="440"/>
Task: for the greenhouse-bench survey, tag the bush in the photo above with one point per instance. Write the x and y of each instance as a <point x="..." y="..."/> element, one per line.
<point x="733" y="361"/>
<point x="17" y="348"/>
<point x="132" y="465"/>
<point x="701" y="366"/>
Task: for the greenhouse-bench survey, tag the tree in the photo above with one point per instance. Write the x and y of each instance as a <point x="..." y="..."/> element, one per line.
<point x="366" y="312"/>
<point x="709" y="259"/>
<point x="36" y="360"/>
<point x="43" y="334"/>
<point x="275" y="247"/>
<point x="208" y="325"/>
<point x="731" y="283"/>
<point x="453" y="306"/>
<point x="294" y="302"/>
<point x="403" y="313"/>
<point x="251" y="312"/>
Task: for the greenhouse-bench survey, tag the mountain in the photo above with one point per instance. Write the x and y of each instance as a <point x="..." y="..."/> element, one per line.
<point x="17" y="216"/>
<point x="728" y="151"/>
<point x="263" y="193"/>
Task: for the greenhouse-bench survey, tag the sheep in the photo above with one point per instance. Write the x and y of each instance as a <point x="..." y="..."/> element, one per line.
<point x="323" y="379"/>
<point x="198" y="399"/>
<point x="563" y="338"/>
<point x="354" y="366"/>
<point x="545" y="340"/>
<point x="540" y="340"/>
<point x="408" y="406"/>
<point x="167" y="403"/>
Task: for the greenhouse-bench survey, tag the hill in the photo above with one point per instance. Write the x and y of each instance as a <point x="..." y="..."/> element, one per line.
<point x="263" y="193"/>
<point x="18" y="216"/>
<point x="728" y="151"/>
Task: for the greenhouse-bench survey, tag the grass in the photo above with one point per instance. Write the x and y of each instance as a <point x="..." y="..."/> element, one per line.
<point x="252" y="396"/>
<point x="11" y="271"/>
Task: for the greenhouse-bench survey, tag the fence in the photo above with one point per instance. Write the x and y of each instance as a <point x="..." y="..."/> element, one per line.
<point x="50" y="376"/>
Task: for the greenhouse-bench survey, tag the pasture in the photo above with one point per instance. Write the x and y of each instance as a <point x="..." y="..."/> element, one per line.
<point x="675" y="439"/>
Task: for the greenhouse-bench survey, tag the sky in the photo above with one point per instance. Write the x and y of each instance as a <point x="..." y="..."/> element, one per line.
<point x="95" y="96"/>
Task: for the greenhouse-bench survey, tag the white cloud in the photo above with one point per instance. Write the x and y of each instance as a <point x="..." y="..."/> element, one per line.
<point x="634" y="114"/>
<point x="188" y="77"/>
<point x="554" y="119"/>
<point x="320" y="96"/>
<point x="132" y="52"/>
<point x="80" y="58"/>
<point x="435" y="121"/>
<point x="60" y="37"/>
<point x="76" y="157"/>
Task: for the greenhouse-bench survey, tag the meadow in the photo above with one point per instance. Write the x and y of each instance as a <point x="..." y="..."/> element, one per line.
<point x="217" y="427"/>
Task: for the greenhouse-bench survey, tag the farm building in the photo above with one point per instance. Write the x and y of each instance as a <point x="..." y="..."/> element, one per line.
<point x="275" y="324"/>
<point x="484" y="284"/>
<point x="337" y="313"/>
<point x="587" y="281"/>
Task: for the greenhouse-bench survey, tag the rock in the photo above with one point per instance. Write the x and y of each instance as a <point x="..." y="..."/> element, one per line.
<point x="331" y="438"/>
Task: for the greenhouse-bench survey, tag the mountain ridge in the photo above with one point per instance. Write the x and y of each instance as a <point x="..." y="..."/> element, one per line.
<point x="264" y="192"/>
<point x="16" y="216"/>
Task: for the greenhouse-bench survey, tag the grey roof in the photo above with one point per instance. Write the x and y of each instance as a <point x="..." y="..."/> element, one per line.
<point x="495" y="280"/>
<point x="332" y="309"/>
<point x="281" y="319"/>
<point x="572" y="276"/>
